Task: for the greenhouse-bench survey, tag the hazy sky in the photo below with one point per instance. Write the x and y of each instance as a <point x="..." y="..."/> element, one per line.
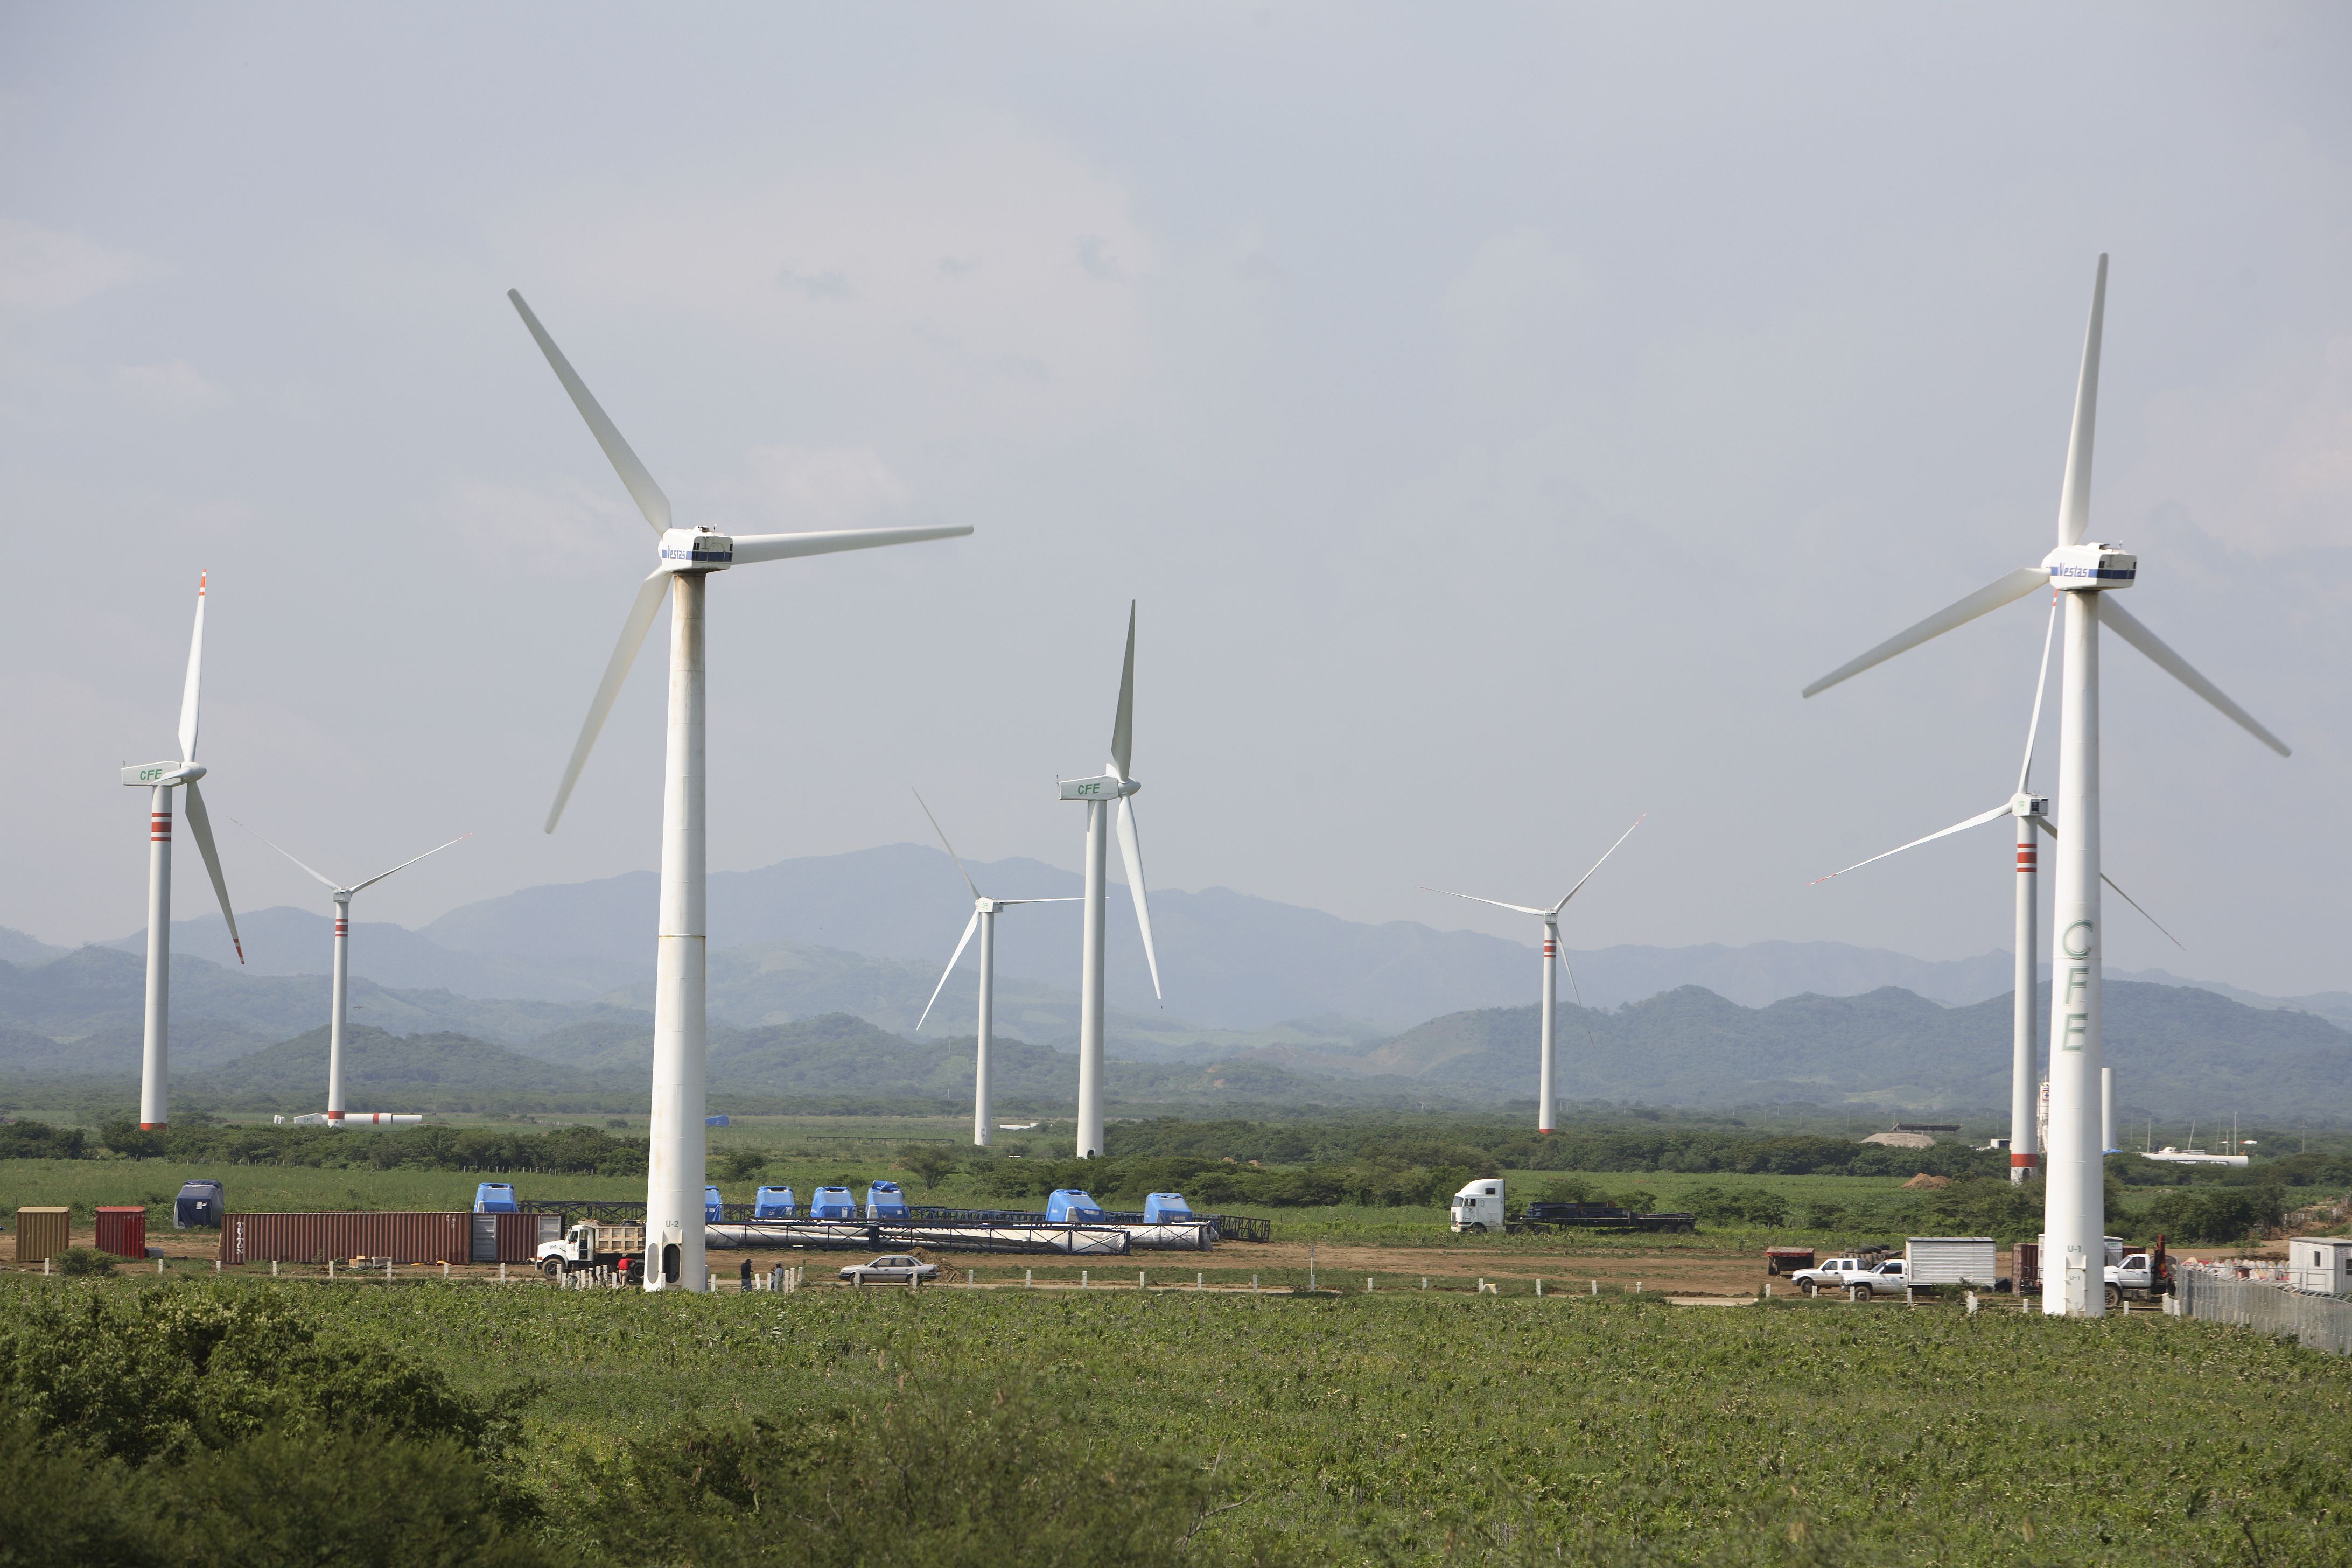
<point x="1500" y="413"/>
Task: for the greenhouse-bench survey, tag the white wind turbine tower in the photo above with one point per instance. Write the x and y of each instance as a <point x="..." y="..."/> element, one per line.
<point x="1114" y="784"/>
<point x="341" y="989"/>
<point x="1546" y="1120"/>
<point x="2087" y="573"/>
<point x="2029" y="811"/>
<point x="686" y="559"/>
<point x="159" y="779"/>
<point x="983" y="920"/>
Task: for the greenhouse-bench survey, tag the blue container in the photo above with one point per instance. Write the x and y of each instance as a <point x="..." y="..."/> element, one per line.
<point x="200" y="1202"/>
<point x="884" y="1200"/>
<point x="495" y="1198"/>
<point x="772" y="1203"/>
<point x="714" y="1120"/>
<point x="833" y="1203"/>
<point x="1070" y="1206"/>
<point x="712" y="1210"/>
<point x="1165" y="1208"/>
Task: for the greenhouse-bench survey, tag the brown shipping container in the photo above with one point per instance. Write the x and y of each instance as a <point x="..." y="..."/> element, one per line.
<point x="316" y="1237"/>
<point x="123" y="1230"/>
<point x="43" y="1232"/>
<point x="513" y="1238"/>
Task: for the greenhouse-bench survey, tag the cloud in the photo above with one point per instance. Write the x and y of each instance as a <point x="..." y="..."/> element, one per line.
<point x="2264" y="466"/>
<point x="45" y="269"/>
<point x="174" y="384"/>
<point x="803" y="487"/>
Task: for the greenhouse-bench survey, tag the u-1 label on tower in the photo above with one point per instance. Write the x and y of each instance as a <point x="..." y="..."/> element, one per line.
<point x="2076" y="942"/>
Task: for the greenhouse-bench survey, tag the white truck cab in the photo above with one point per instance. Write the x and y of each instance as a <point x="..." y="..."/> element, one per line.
<point x="1858" y="1279"/>
<point x="1479" y="1207"/>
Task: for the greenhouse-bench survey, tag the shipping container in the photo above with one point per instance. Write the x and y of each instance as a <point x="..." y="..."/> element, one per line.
<point x="123" y="1230"/>
<point x="344" y="1236"/>
<point x="42" y="1232"/>
<point x="512" y="1237"/>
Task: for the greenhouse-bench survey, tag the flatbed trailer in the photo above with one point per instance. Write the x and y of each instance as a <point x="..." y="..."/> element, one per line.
<point x="1601" y="1217"/>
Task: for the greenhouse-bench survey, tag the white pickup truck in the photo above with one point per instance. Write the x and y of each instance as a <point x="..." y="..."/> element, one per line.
<point x="1858" y="1279"/>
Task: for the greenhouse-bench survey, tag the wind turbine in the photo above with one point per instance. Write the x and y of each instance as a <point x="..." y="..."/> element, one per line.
<point x="983" y="920"/>
<point x="159" y="779"/>
<point x="342" y="897"/>
<point x="2086" y="574"/>
<point x="1546" y="1120"/>
<point x="1113" y="783"/>
<point x="687" y="559"/>
<point x="2029" y="811"/>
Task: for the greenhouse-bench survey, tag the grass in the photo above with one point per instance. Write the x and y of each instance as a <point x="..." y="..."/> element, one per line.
<point x="1455" y="1429"/>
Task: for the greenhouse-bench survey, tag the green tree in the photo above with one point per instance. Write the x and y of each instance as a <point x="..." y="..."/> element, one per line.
<point x="931" y="1162"/>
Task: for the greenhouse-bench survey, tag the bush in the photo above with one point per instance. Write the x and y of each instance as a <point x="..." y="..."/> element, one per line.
<point x="39" y="1141"/>
<point x="943" y="1475"/>
<point x="77" y="1262"/>
<point x="2214" y="1213"/>
<point x="1737" y="1206"/>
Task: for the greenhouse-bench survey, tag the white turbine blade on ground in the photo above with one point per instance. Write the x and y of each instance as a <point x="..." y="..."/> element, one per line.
<point x="969" y="926"/>
<point x="1977" y="821"/>
<point x="412" y="860"/>
<point x="192" y="688"/>
<point x="640" y="620"/>
<point x="1596" y="865"/>
<point x="2075" y="495"/>
<point x="1990" y="597"/>
<point x="641" y="486"/>
<point x="753" y="548"/>
<point x="2129" y="628"/>
<point x="1514" y="908"/>
<point x="201" y="823"/>
<point x="1122" y="725"/>
<point x="1130" y="852"/>
<point x="951" y="848"/>
<point x="2151" y="919"/>
<point x="324" y="880"/>
<point x="2041" y="685"/>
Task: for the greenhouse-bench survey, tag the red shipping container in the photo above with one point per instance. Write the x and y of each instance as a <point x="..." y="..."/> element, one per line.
<point x="345" y="1235"/>
<point x="123" y="1230"/>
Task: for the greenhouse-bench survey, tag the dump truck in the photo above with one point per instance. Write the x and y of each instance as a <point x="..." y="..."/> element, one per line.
<point x="591" y="1245"/>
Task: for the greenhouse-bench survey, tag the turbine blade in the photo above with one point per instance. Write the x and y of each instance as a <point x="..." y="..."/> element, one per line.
<point x="970" y="926"/>
<point x="1130" y="852"/>
<point x="625" y="653"/>
<point x="1514" y="908"/>
<point x="1596" y="865"/>
<point x="193" y="687"/>
<point x="201" y="825"/>
<point x="2074" y="496"/>
<point x="753" y="548"/>
<point x="1991" y="597"/>
<point x="412" y="860"/>
<point x="1008" y="903"/>
<point x="2129" y="628"/>
<point x="2151" y="919"/>
<point x="1122" y="725"/>
<point x="1977" y="821"/>
<point x="2041" y="686"/>
<point x="641" y="486"/>
<point x="325" y="881"/>
<point x="951" y="848"/>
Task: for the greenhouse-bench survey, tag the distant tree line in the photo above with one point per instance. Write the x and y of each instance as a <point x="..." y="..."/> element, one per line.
<point x="566" y="1151"/>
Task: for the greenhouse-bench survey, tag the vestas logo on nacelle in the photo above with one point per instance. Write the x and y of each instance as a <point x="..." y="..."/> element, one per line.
<point x="688" y="547"/>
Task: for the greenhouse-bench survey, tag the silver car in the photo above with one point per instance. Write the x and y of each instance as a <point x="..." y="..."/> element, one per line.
<point x="896" y="1269"/>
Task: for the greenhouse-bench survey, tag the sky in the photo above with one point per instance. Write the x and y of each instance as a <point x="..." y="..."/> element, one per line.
<point x="1499" y="414"/>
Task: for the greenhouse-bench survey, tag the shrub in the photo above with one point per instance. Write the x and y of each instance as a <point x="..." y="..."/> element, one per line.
<point x="80" y="1261"/>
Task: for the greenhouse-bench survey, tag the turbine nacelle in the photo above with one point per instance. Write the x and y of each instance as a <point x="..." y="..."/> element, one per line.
<point x="162" y="775"/>
<point x="2091" y="568"/>
<point x="684" y="549"/>
<point x="2030" y="806"/>
<point x="1106" y="786"/>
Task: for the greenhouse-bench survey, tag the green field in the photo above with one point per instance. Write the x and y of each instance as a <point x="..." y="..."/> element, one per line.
<point x="1387" y="1428"/>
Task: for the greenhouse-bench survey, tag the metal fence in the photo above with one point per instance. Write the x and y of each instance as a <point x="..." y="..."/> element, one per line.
<point x="2319" y="1322"/>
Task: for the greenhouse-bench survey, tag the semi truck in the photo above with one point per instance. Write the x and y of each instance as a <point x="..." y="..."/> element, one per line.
<point x="591" y="1245"/>
<point x="1478" y="1208"/>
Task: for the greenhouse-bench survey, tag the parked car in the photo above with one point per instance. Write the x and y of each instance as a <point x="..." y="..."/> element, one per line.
<point x="896" y="1269"/>
<point x="1858" y="1279"/>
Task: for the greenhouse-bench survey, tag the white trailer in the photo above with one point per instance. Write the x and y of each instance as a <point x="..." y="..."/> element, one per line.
<point x="1968" y="1260"/>
<point x="2320" y="1263"/>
